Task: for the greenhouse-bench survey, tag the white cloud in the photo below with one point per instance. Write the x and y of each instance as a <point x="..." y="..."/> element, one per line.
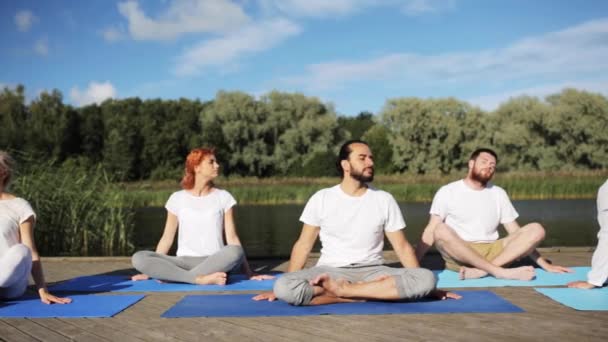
<point x="574" y="51"/>
<point x="420" y="7"/>
<point x="324" y="8"/>
<point x="24" y="20"/>
<point x="226" y="50"/>
<point x="112" y="34"/>
<point x="493" y="101"/>
<point x="315" y="8"/>
<point x="95" y="93"/>
<point x="41" y="47"/>
<point x="182" y="17"/>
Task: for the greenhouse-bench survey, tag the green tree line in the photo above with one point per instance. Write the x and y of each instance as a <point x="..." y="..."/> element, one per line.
<point x="289" y="134"/>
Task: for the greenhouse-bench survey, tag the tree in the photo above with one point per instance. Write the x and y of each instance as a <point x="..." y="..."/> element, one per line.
<point x="13" y="115"/>
<point x="358" y="125"/>
<point x="518" y="132"/>
<point x="577" y="127"/>
<point x="303" y="130"/>
<point x="53" y="128"/>
<point x="430" y="136"/>
<point x="122" y="140"/>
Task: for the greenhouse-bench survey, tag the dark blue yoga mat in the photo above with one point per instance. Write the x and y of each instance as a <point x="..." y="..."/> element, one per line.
<point x="449" y="279"/>
<point x="117" y="283"/>
<point x="241" y="305"/>
<point x="82" y="306"/>
<point x="579" y="299"/>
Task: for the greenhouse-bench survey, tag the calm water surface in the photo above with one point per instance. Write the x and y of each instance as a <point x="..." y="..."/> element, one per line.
<point x="270" y="230"/>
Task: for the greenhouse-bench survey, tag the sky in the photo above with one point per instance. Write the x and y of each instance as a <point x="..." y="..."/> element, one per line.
<point x="353" y="54"/>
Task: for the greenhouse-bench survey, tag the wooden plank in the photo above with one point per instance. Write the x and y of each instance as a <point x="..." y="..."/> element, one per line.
<point x="10" y="333"/>
<point x="70" y="328"/>
<point x="36" y="330"/>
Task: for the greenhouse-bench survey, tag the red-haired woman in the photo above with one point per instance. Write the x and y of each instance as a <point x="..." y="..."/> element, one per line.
<point x="204" y="216"/>
<point x="18" y="253"/>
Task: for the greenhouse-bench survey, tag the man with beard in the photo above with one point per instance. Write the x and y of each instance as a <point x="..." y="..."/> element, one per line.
<point x="463" y="224"/>
<point x="351" y="220"/>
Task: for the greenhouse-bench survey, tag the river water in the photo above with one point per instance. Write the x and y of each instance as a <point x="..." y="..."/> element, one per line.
<point x="270" y="230"/>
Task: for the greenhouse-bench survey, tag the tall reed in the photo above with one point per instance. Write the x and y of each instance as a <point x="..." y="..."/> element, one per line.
<point x="79" y="211"/>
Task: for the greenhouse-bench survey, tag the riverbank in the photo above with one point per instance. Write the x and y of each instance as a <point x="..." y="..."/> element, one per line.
<point x="405" y="188"/>
<point x="142" y="322"/>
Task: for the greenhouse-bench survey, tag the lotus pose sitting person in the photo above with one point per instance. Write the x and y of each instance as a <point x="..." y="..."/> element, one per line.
<point x="18" y="253"/>
<point x="463" y="224"/>
<point x="599" y="263"/>
<point x="352" y="219"/>
<point x="204" y="216"/>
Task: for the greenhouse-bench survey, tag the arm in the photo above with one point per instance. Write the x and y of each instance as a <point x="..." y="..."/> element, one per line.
<point x="301" y="249"/>
<point x="26" y="230"/>
<point x="232" y="238"/>
<point x="403" y="248"/>
<point x="427" y="239"/>
<point x="166" y="240"/>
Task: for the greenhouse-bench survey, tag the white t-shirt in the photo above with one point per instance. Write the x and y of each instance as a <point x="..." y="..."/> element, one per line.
<point x="352" y="228"/>
<point x="13" y="212"/>
<point x="473" y="214"/>
<point x="200" y="221"/>
<point x="599" y="263"/>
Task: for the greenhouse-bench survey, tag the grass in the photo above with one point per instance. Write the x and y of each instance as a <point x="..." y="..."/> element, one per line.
<point x="79" y="212"/>
<point x="405" y="188"/>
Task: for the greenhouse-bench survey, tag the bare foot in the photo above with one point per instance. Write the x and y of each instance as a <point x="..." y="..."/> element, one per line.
<point x="138" y="277"/>
<point x="471" y="273"/>
<point x="518" y="273"/>
<point x="332" y="287"/>
<point x="581" y="285"/>
<point x="217" y="278"/>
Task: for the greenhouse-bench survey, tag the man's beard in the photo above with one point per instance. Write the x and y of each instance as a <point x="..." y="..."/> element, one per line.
<point x="361" y="177"/>
<point x="479" y="177"/>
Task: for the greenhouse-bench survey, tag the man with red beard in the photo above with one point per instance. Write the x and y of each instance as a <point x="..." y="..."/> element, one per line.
<point x="464" y="221"/>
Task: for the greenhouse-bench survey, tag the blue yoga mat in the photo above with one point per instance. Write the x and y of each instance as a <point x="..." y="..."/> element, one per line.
<point x="450" y="279"/>
<point x="117" y="283"/>
<point x="579" y="299"/>
<point x="242" y="305"/>
<point x="81" y="306"/>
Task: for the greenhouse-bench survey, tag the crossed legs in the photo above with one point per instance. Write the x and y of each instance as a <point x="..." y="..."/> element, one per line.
<point x="194" y="270"/>
<point x="514" y="246"/>
<point x="324" y="285"/>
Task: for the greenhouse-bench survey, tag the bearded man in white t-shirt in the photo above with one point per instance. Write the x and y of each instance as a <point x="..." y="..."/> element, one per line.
<point x="351" y="220"/>
<point x="464" y="221"/>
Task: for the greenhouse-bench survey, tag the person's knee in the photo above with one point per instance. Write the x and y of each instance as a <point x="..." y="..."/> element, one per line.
<point x="536" y="232"/>
<point x="416" y="283"/>
<point x="290" y="290"/>
<point x="22" y="252"/>
<point x="233" y="252"/>
<point x="138" y="260"/>
<point x="443" y="233"/>
<point x="427" y="281"/>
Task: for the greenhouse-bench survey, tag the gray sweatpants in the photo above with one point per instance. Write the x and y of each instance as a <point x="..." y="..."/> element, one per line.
<point x="411" y="282"/>
<point x="184" y="269"/>
<point x="15" y="267"/>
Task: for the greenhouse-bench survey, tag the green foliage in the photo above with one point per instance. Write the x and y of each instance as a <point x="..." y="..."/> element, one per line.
<point x="429" y="136"/>
<point x="358" y="125"/>
<point x="289" y="134"/>
<point x="377" y="138"/>
<point x="79" y="210"/>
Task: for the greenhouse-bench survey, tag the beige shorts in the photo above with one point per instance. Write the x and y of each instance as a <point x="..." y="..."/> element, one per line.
<point x="488" y="251"/>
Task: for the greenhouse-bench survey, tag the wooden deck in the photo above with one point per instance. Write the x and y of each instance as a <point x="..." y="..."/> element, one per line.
<point x="543" y="320"/>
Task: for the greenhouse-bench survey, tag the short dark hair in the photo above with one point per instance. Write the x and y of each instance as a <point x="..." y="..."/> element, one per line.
<point x="481" y="150"/>
<point x="345" y="151"/>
